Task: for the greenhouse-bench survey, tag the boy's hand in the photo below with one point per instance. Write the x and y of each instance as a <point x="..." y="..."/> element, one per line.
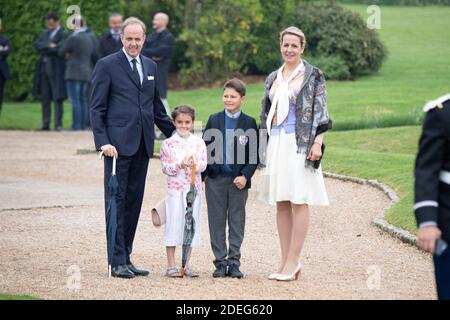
<point x="240" y="182"/>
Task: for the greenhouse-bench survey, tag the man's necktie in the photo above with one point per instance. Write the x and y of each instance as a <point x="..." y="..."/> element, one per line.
<point x="135" y="72"/>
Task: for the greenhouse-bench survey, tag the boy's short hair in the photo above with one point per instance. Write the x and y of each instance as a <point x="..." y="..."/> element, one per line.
<point x="183" y="109"/>
<point x="236" y="84"/>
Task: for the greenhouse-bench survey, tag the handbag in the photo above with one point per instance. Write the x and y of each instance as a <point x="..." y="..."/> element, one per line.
<point x="159" y="213"/>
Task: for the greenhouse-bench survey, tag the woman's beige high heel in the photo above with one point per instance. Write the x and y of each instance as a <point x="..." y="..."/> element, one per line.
<point x="290" y="277"/>
<point x="274" y="276"/>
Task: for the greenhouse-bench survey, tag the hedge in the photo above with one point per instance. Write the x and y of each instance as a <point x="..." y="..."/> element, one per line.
<point x="22" y="23"/>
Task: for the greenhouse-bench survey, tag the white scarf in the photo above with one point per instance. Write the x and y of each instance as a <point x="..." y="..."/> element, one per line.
<point x="280" y="102"/>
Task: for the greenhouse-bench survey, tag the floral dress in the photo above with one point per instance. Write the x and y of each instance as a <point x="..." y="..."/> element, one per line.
<point x="173" y="152"/>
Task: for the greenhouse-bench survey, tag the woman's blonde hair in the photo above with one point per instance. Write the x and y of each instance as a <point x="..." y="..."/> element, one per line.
<point x="296" y="32"/>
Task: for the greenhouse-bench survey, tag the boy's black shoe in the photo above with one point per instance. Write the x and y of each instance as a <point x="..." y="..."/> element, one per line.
<point x="220" y="272"/>
<point x="234" y="272"/>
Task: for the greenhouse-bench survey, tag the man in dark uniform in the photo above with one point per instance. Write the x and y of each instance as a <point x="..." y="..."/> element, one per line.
<point x="432" y="190"/>
<point x="110" y="42"/>
<point x="49" y="82"/>
<point x="159" y="48"/>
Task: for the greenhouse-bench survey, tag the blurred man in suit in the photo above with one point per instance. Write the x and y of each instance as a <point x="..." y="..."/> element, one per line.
<point x="79" y="52"/>
<point x="432" y="190"/>
<point x="49" y="82"/>
<point x="110" y="42"/>
<point x="125" y="106"/>
<point x="4" y="67"/>
<point x="159" y="48"/>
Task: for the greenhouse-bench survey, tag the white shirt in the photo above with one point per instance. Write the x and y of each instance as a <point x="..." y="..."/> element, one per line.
<point x="54" y="32"/>
<point x="78" y="31"/>
<point x="232" y="115"/>
<point x="138" y="64"/>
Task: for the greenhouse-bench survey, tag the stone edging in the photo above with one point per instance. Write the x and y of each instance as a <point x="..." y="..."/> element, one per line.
<point x="380" y="220"/>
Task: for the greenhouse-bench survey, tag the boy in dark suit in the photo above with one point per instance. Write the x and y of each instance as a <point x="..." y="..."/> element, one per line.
<point x="232" y="146"/>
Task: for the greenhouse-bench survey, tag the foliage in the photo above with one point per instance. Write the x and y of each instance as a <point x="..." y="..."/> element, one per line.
<point x="221" y="42"/>
<point x="22" y="23"/>
<point x="334" y="31"/>
<point x="400" y="2"/>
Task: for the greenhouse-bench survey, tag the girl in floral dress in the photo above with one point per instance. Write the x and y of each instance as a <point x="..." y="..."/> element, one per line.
<point x="178" y="155"/>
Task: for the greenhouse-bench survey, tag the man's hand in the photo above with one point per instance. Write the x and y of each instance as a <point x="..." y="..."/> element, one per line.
<point x="240" y="182"/>
<point x="52" y="45"/>
<point x="427" y="236"/>
<point x="109" y="150"/>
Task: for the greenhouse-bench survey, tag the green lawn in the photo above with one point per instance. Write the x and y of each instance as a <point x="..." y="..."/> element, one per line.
<point x="386" y="155"/>
<point x="15" y="297"/>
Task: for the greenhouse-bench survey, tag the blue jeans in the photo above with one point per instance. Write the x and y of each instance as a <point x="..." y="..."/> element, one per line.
<point x="77" y="97"/>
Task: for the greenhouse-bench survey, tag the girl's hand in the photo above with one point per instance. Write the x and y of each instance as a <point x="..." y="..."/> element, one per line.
<point x="316" y="152"/>
<point x="188" y="162"/>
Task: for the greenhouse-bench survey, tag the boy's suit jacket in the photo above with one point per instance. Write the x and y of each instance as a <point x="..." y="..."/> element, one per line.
<point x="245" y="146"/>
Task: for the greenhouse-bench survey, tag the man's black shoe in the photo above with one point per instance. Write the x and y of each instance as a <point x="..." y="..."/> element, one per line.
<point x="43" y="129"/>
<point x="234" y="272"/>
<point x="220" y="272"/>
<point x="136" y="271"/>
<point x="122" y="271"/>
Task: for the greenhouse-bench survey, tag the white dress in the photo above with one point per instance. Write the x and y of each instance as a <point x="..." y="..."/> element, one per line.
<point x="173" y="151"/>
<point x="285" y="176"/>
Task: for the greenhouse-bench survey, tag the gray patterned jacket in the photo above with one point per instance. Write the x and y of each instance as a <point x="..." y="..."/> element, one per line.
<point x="311" y="113"/>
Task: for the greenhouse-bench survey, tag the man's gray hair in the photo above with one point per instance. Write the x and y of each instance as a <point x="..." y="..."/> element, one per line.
<point x="130" y="21"/>
<point x="115" y="14"/>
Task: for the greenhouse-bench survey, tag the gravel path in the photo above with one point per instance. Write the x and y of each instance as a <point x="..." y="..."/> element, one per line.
<point x="52" y="241"/>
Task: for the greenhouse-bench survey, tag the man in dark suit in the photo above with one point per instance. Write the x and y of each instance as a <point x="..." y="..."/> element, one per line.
<point x="432" y="190"/>
<point x="159" y="48"/>
<point x="49" y="82"/>
<point x="125" y="106"/>
<point x="110" y="42"/>
<point x="4" y="67"/>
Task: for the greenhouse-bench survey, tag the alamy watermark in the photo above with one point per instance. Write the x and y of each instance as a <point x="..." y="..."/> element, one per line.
<point x="74" y="278"/>
<point x="374" y="19"/>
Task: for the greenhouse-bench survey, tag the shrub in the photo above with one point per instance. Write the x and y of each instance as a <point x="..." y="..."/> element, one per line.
<point x="220" y="42"/>
<point x="334" y="67"/>
<point x="333" y="31"/>
<point x="22" y="23"/>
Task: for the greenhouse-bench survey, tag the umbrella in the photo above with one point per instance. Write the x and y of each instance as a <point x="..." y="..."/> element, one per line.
<point x="111" y="214"/>
<point x="189" y="226"/>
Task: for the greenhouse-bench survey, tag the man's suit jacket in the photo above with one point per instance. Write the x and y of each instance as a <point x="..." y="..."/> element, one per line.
<point x="245" y="143"/>
<point x="108" y="45"/>
<point x="55" y="64"/>
<point x="159" y="47"/>
<point x="81" y="53"/>
<point x="122" y="110"/>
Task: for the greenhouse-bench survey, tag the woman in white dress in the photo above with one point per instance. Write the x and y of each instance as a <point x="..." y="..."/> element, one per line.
<point x="295" y="114"/>
<point x="178" y="154"/>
